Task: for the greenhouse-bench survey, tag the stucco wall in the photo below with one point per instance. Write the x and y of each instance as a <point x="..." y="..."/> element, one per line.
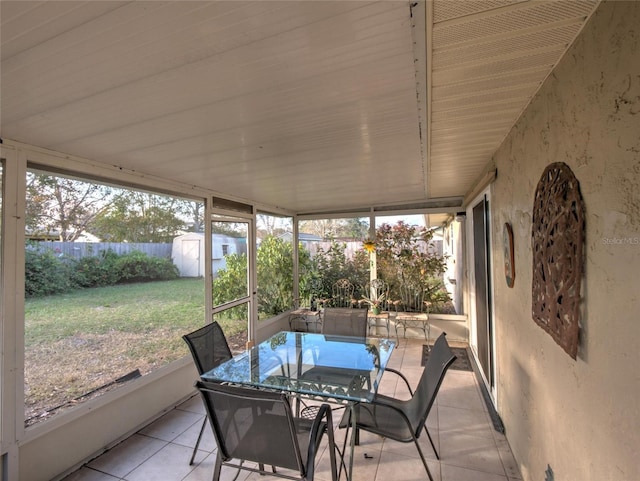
<point x="582" y="417"/>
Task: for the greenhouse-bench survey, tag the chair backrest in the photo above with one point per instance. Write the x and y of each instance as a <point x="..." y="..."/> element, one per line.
<point x="252" y="425"/>
<point x="413" y="298"/>
<point x="342" y="294"/>
<point x="440" y="359"/>
<point x="378" y="289"/>
<point x="208" y="347"/>
<point x="344" y="322"/>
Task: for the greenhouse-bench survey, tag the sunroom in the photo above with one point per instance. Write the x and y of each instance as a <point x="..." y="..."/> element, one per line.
<point x="241" y="113"/>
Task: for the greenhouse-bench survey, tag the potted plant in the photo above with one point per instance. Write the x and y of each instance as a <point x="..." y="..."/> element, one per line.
<point x="375" y="303"/>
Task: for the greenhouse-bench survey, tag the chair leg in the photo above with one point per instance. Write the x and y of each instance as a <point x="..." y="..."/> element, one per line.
<point x="424" y="461"/>
<point x="332" y="453"/>
<point x="432" y="444"/>
<point x="218" y="466"/>
<point x="427" y="331"/>
<point x="195" y="448"/>
<point x="344" y="450"/>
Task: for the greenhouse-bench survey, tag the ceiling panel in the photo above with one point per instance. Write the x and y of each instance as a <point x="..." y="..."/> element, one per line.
<point x="489" y="58"/>
<point x="304" y="105"/>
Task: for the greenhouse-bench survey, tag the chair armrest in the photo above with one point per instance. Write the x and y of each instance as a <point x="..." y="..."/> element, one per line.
<point x="389" y="369"/>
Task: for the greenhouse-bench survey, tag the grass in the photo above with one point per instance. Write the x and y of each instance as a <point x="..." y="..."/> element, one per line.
<point x="79" y="341"/>
<point x="130" y="308"/>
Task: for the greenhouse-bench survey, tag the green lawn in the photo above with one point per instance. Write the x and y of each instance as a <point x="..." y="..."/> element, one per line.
<point x="79" y="341"/>
<point x="136" y="308"/>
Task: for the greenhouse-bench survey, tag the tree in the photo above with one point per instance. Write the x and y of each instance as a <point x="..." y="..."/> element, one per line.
<point x="64" y="206"/>
<point x="194" y="212"/>
<point x="269" y="224"/>
<point x="405" y="255"/>
<point x="230" y="229"/>
<point x="139" y="217"/>
<point x="354" y="228"/>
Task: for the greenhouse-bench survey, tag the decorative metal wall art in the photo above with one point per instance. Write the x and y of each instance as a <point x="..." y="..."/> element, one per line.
<point x="509" y="263"/>
<point x="557" y="239"/>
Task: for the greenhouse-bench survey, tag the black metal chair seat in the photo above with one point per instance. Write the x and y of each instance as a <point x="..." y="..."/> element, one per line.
<point x="259" y="426"/>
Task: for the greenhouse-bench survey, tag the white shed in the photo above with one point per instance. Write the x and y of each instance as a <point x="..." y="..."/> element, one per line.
<point x="188" y="254"/>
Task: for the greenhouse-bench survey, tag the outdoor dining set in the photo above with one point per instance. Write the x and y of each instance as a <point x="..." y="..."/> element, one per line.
<point x="272" y="406"/>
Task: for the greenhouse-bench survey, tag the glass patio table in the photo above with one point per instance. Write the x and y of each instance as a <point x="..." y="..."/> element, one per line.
<point x="338" y="369"/>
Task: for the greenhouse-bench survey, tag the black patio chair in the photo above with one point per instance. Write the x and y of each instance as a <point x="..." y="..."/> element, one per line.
<point x="404" y="420"/>
<point x="345" y="322"/>
<point x="209" y="348"/>
<point x="259" y="426"/>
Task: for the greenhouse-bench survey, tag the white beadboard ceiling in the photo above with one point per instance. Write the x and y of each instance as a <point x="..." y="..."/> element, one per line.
<point x="308" y="106"/>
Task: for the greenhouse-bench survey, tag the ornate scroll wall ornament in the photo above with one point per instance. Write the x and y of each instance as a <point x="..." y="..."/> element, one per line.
<point x="557" y="239"/>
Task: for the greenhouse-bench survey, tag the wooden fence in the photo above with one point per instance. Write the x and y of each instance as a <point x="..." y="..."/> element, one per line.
<point x="78" y="250"/>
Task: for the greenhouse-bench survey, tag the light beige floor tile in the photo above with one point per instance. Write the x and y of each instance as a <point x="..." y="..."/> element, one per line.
<point x="394" y="466"/>
<point x="194" y="404"/>
<point x="87" y="474"/>
<point x="432" y="420"/>
<point x="171" y="425"/>
<point x="366" y="457"/>
<point x="459" y="389"/>
<point x="128" y="455"/>
<point x="170" y="463"/>
<point x="467" y="421"/>
<point x="412" y="375"/>
<point x="456" y="473"/>
<point x="473" y="452"/>
<point x="204" y="471"/>
<point x="409" y="449"/>
<point x="323" y="464"/>
<point x="190" y="436"/>
<point x="388" y="384"/>
<point x="508" y="461"/>
<point x="412" y="360"/>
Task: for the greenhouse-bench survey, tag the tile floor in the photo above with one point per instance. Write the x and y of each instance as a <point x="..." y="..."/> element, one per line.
<point x="470" y="449"/>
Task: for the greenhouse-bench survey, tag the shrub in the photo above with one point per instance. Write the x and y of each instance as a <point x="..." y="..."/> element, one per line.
<point x="137" y="266"/>
<point x="231" y="284"/>
<point x="333" y="264"/>
<point x="45" y="273"/>
<point x="48" y="273"/>
<point x="96" y="271"/>
<point x="275" y="276"/>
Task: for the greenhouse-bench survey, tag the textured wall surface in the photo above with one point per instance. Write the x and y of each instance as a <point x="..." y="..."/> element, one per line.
<point x="580" y="417"/>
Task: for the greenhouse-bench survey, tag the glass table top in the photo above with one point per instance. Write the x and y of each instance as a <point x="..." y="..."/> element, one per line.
<point x="316" y="365"/>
